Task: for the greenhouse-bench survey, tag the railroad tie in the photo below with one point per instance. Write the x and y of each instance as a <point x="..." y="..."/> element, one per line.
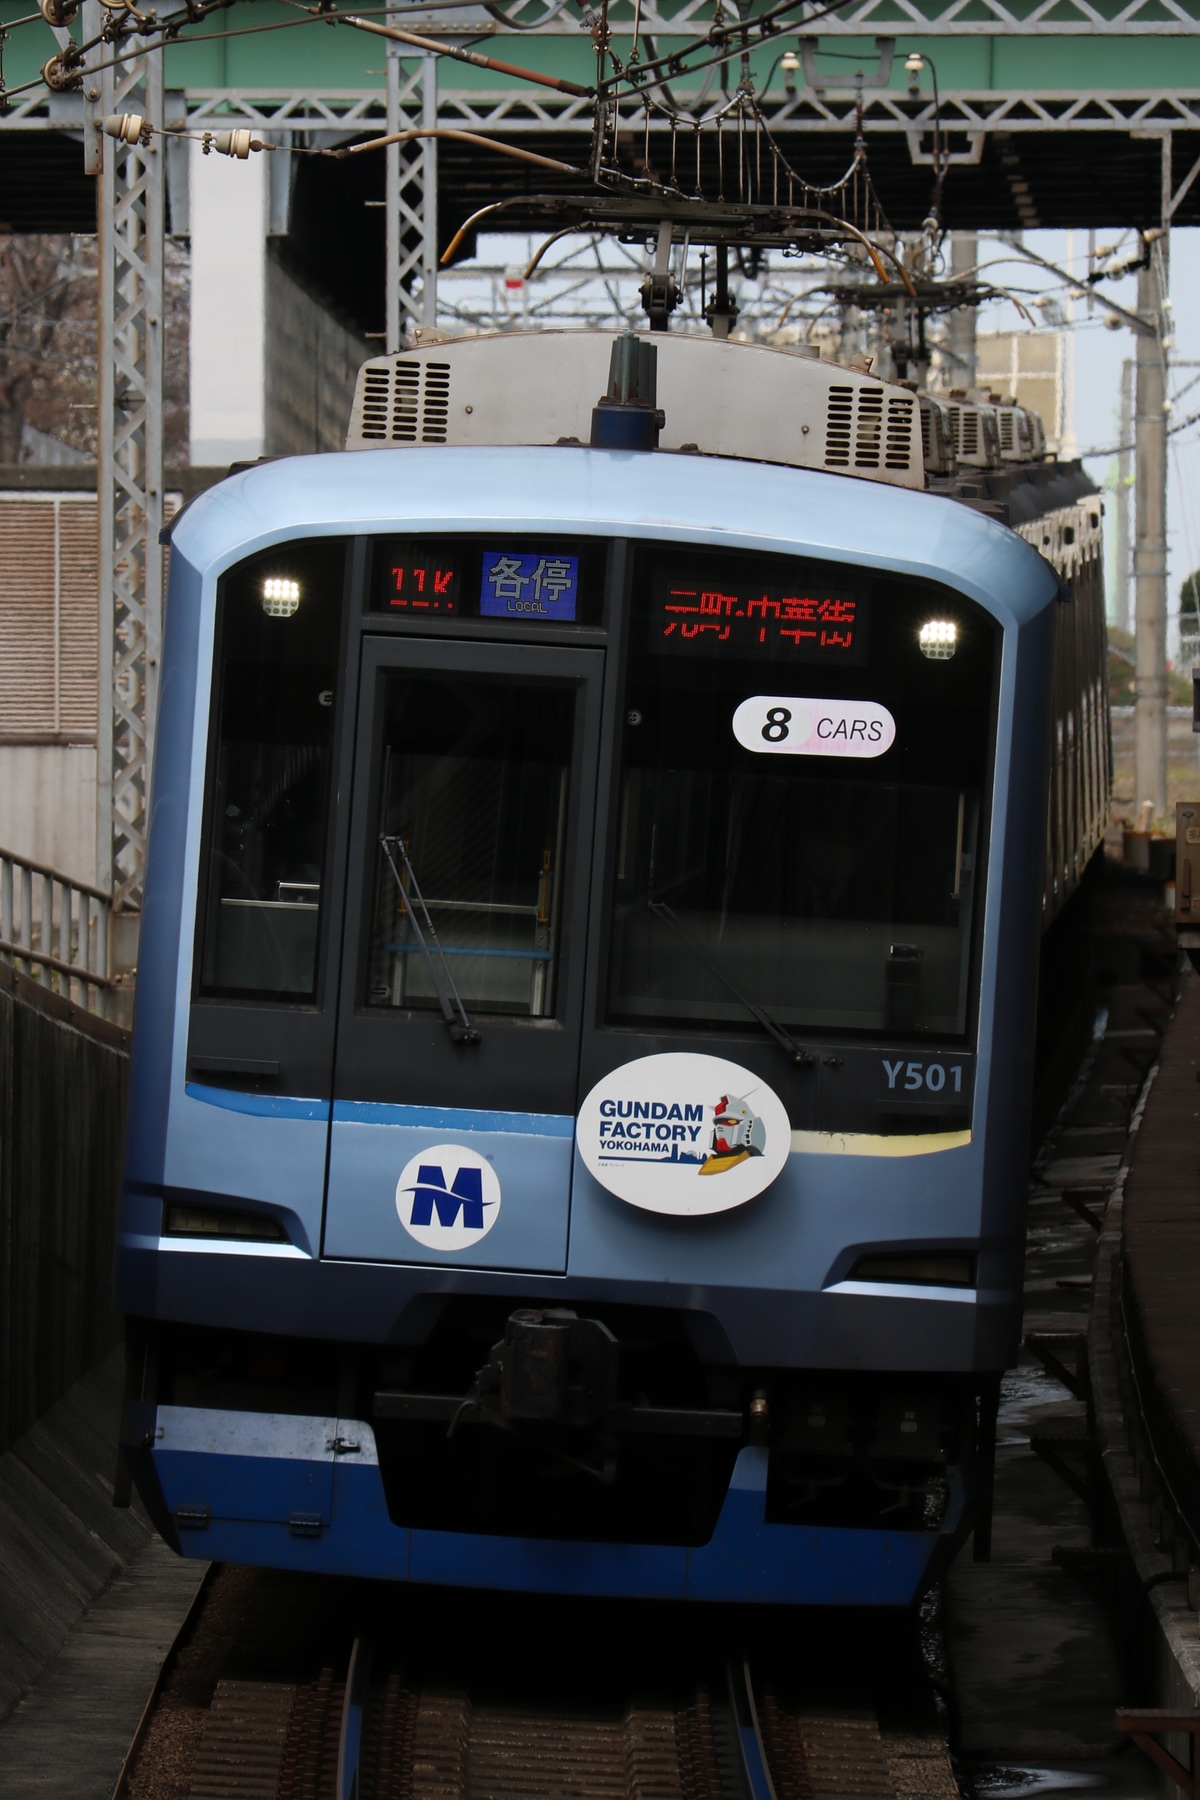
<point x="652" y="1761"/>
<point x="844" y="1755"/>
<point x="441" y="1737"/>
<point x="520" y="1754"/>
<point x="241" y="1751"/>
<point x="310" y="1760"/>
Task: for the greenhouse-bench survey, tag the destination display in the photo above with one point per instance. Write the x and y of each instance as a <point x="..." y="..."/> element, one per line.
<point x="808" y="620"/>
<point x="420" y="579"/>
<point x="460" y="580"/>
<point x="522" y="586"/>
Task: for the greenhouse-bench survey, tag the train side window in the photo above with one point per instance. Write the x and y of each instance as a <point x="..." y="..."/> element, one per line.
<point x="468" y="849"/>
<point x="263" y="867"/>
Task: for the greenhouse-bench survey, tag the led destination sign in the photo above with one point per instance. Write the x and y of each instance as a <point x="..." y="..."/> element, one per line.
<point x="422" y="584"/>
<point x="461" y="580"/>
<point x="516" y="586"/>
<point x="806" y="622"/>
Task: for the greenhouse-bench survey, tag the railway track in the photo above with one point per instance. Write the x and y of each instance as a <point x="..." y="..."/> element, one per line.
<point x="281" y="1742"/>
<point x="297" y="1710"/>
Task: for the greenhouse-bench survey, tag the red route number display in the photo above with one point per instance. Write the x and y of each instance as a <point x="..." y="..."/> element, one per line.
<point x="422" y="585"/>
<point x="805" y="621"/>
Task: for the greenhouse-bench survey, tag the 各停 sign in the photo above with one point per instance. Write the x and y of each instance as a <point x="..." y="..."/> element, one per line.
<point x="538" y="586"/>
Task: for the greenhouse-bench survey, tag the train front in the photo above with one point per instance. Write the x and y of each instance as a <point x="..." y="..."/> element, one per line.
<point x="580" y="1073"/>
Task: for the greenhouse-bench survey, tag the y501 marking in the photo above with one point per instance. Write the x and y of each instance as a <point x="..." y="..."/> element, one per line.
<point x="913" y="1075"/>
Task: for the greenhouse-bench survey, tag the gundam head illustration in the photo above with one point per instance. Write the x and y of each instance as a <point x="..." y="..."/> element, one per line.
<point x="737" y="1133"/>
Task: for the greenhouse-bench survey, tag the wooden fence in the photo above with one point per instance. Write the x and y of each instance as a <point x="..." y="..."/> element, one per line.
<point x="63" y="1078"/>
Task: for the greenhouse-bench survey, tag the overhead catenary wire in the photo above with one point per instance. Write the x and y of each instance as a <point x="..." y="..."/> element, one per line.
<point x="465" y="137"/>
<point x="430" y="46"/>
<point x="675" y="61"/>
<point x="130" y="128"/>
<point x="69" y="62"/>
<point x="860" y="218"/>
<point x="66" y="69"/>
<point x="169" y="31"/>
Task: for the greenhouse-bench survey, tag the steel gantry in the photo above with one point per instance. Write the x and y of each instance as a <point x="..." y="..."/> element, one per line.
<point x="411" y="196"/>
<point x="131" y="221"/>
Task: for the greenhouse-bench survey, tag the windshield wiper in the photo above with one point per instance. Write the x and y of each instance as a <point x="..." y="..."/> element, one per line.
<point x="795" y="1053"/>
<point x="453" y="1011"/>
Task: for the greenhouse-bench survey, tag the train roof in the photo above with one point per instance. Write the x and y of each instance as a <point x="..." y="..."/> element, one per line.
<point x="611" y="493"/>
<point x="753" y="402"/>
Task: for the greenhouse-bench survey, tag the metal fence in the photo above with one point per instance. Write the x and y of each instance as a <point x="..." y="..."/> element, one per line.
<point x="57" y="931"/>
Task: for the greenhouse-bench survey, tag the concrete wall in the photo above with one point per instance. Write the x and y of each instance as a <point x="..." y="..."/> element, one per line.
<point x="227" y="205"/>
<point x="48" y="805"/>
<point x="272" y="369"/>
<point x="312" y="361"/>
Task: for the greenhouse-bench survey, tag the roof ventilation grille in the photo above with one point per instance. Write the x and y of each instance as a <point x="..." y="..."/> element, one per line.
<point x="839" y="418"/>
<point x="435" y="412"/>
<point x="868" y="435"/>
<point x="897" y="452"/>
<point x="405" y="402"/>
<point x="377" y="389"/>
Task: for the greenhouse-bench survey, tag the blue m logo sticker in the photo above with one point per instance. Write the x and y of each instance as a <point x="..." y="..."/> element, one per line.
<point x="465" y="1196"/>
<point x="448" y="1214"/>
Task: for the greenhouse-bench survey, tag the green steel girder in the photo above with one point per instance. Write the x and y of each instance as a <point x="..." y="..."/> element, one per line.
<point x="1032" y="108"/>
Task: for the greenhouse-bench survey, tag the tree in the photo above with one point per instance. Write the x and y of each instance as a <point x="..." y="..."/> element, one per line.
<point x="1189" y="604"/>
<point x="48" y="362"/>
<point x="47" y="340"/>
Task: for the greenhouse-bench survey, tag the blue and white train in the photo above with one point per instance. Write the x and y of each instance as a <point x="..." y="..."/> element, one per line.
<point x="580" y="1083"/>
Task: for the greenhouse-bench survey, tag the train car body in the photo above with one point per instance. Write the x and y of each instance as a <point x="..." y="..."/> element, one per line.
<point x="586" y="992"/>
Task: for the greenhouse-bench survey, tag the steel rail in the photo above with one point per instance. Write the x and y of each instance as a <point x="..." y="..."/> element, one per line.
<point x="354" y="1710"/>
<point x="754" y="1766"/>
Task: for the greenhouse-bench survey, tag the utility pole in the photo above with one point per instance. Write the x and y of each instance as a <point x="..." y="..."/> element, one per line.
<point x="1150" y="540"/>
<point x="1068" y="444"/>
<point x="1124" y="483"/>
<point x="960" y="326"/>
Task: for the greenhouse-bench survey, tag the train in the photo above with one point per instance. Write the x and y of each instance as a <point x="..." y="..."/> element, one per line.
<point x="603" y="826"/>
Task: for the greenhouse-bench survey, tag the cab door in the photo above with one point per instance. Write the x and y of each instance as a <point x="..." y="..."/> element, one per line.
<point x="456" y="1072"/>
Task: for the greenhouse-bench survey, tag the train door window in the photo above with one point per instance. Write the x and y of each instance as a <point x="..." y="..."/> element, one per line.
<point x="467" y="892"/>
<point x="468" y="854"/>
<point x="263" y="872"/>
<point x="800" y="798"/>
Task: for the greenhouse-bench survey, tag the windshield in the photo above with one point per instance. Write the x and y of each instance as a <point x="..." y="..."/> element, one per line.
<point x="468" y="853"/>
<point x="805" y="751"/>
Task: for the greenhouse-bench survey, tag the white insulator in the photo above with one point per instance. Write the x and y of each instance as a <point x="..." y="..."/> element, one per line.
<point x="235" y="143"/>
<point x="58" y="12"/>
<point x="127" y="128"/>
